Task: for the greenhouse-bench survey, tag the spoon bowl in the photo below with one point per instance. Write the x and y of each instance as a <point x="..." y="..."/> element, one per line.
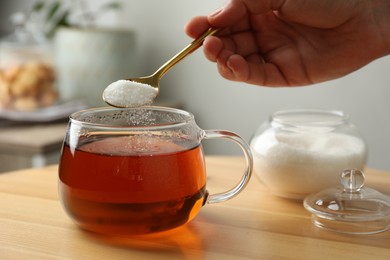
<point x="154" y="79"/>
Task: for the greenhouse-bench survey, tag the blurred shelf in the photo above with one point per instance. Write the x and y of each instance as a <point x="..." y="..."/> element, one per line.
<point x="35" y="144"/>
<point x="32" y="145"/>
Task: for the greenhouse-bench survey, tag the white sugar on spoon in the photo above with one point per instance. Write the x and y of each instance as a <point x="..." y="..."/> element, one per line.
<point x="141" y="91"/>
<point x="126" y="93"/>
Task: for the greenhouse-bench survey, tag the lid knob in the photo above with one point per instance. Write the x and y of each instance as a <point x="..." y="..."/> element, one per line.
<point x="352" y="180"/>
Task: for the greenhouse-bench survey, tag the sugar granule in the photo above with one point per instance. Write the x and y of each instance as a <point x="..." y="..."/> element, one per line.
<point x="126" y="93"/>
<point x="297" y="165"/>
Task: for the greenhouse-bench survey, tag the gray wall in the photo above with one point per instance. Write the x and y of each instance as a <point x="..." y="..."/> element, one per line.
<point x="218" y="103"/>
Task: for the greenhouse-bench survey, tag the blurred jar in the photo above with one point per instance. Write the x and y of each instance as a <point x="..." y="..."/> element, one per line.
<point x="303" y="151"/>
<point x="27" y="74"/>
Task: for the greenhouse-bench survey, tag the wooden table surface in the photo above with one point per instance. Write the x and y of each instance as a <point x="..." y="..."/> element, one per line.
<point x="253" y="225"/>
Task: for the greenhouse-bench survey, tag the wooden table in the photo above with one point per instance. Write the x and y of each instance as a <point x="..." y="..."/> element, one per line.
<point x="253" y="225"/>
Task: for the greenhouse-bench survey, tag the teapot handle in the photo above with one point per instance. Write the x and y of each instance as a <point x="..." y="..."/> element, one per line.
<point x="220" y="197"/>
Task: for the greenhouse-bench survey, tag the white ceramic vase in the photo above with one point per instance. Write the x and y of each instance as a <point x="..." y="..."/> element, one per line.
<point x="88" y="60"/>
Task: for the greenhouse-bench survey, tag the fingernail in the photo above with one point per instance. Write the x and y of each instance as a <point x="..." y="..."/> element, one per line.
<point x="216" y="12"/>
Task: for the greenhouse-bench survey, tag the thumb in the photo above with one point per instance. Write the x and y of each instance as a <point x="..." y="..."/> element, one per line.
<point x="235" y="10"/>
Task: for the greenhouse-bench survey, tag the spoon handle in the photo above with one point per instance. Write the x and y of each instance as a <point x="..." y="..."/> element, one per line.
<point x="183" y="53"/>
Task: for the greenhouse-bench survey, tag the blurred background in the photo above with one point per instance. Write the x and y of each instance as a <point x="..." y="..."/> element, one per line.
<point x="156" y="34"/>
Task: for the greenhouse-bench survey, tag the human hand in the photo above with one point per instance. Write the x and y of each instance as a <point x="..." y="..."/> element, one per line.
<point x="294" y="42"/>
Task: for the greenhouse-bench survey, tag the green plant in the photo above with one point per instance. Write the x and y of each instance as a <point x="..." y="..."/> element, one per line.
<point x="49" y="14"/>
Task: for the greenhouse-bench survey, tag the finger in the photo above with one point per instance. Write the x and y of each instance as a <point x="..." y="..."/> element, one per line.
<point x="196" y="26"/>
<point x="242" y="43"/>
<point x="229" y="15"/>
<point x="235" y="10"/>
<point x="212" y="47"/>
<point x="236" y="68"/>
<point x="223" y="67"/>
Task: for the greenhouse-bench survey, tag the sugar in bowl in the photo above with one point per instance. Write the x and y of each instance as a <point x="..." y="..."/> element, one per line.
<point x="298" y="152"/>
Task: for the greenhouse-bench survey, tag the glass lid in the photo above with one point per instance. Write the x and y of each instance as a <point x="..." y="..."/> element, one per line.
<point x="351" y="208"/>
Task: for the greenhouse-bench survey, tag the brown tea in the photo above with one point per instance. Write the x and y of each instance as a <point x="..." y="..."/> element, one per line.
<point x="132" y="185"/>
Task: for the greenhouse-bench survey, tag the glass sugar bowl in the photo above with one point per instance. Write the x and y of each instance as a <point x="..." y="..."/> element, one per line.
<point x="302" y="151"/>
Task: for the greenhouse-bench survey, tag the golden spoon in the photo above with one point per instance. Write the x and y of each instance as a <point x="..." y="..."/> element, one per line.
<point x="118" y="98"/>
